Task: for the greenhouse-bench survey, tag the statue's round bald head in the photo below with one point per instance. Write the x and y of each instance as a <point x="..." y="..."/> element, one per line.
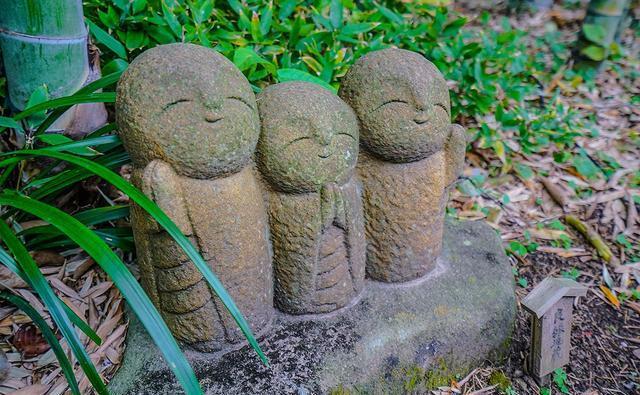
<point x="309" y="137"/>
<point x="402" y="102"/>
<point x="189" y="106"/>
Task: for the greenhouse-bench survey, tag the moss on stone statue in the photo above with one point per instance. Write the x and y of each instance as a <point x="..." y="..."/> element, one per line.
<point x="407" y="379"/>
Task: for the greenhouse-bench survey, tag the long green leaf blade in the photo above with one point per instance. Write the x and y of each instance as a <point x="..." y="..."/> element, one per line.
<point x="91" y="87"/>
<point x="100" y="97"/>
<point x="104" y="37"/>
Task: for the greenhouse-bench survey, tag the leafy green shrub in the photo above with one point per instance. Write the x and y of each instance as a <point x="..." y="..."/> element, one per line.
<point x="495" y="81"/>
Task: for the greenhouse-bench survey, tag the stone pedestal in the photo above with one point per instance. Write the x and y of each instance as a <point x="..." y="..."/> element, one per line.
<point x="393" y="338"/>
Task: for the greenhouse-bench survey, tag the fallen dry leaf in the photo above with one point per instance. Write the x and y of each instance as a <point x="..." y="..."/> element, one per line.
<point x="36" y="389"/>
<point x="47" y="258"/>
<point x="611" y="297"/>
<point x="30" y="341"/>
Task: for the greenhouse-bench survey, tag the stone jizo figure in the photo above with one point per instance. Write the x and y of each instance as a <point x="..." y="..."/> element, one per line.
<point x="307" y="154"/>
<point x="410" y="154"/>
<point x="189" y="120"/>
<point x="294" y="233"/>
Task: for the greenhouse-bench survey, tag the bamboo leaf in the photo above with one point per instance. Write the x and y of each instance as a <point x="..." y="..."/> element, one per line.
<point x="335" y="14"/>
<point x="6" y="122"/>
<point x="103" y="37"/>
<point x="49" y="336"/>
<point x="594" y="33"/>
<point x="101" y="97"/>
<point x="351" y="29"/>
<point x="594" y="52"/>
<point x="300" y="75"/>
<point x="40" y="285"/>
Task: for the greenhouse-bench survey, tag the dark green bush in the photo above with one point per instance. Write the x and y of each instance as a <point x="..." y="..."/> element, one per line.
<point x="495" y="81"/>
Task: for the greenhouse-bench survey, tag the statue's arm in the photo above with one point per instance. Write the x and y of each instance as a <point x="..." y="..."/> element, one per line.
<point x="162" y="185"/>
<point x="455" y="148"/>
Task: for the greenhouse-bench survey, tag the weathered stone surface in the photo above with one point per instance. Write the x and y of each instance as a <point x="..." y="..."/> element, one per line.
<point x="411" y="154"/>
<point x="188" y="106"/>
<point x="306" y="153"/>
<point x="189" y="120"/>
<point x="455" y="317"/>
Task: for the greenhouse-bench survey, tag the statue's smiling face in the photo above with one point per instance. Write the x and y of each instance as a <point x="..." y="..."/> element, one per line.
<point x="402" y="102"/>
<point x="189" y="106"/>
<point x="410" y="123"/>
<point x="207" y="126"/>
<point x="309" y="137"/>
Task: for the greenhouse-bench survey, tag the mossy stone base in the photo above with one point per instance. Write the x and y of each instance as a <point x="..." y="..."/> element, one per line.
<point x="396" y="338"/>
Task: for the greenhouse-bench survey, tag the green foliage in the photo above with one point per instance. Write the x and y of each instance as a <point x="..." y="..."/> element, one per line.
<point x="585" y="166"/>
<point x="25" y="267"/>
<point x="517" y="248"/>
<point x="560" y="379"/>
<point x="500" y="380"/>
<point x="495" y="75"/>
<point x="572" y="274"/>
<point x="49" y="336"/>
<point x="594" y="33"/>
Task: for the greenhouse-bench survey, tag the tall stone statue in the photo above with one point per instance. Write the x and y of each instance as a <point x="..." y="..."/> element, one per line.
<point x="189" y="120"/>
<point x="307" y="154"/>
<point x="410" y="154"/>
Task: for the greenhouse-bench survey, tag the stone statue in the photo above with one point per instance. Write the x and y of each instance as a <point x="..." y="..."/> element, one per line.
<point x="307" y="154"/>
<point x="410" y="154"/>
<point x="189" y="120"/>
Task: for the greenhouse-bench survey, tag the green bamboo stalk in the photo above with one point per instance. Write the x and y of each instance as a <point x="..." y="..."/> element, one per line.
<point x="43" y="42"/>
<point x="599" y="30"/>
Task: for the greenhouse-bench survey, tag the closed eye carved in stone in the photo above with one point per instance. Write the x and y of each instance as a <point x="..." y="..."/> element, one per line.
<point x="443" y="107"/>
<point x="347" y="134"/>
<point x="296" y="140"/>
<point x="389" y="102"/>
<point x="173" y="103"/>
<point x="242" y="100"/>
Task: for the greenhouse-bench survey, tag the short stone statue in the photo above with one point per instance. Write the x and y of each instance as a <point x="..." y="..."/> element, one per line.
<point x="307" y="154"/>
<point x="189" y="120"/>
<point x="410" y="154"/>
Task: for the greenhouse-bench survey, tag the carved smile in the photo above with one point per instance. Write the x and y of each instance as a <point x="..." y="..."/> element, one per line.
<point x="213" y="119"/>
<point x="325" y="156"/>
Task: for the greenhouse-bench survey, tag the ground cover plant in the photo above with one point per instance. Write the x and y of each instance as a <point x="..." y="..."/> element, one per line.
<point x="545" y="141"/>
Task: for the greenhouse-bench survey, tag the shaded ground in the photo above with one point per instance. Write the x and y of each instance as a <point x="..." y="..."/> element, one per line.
<point x="605" y="358"/>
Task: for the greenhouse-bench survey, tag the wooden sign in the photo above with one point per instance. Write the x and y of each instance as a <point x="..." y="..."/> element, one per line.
<point x="551" y="307"/>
